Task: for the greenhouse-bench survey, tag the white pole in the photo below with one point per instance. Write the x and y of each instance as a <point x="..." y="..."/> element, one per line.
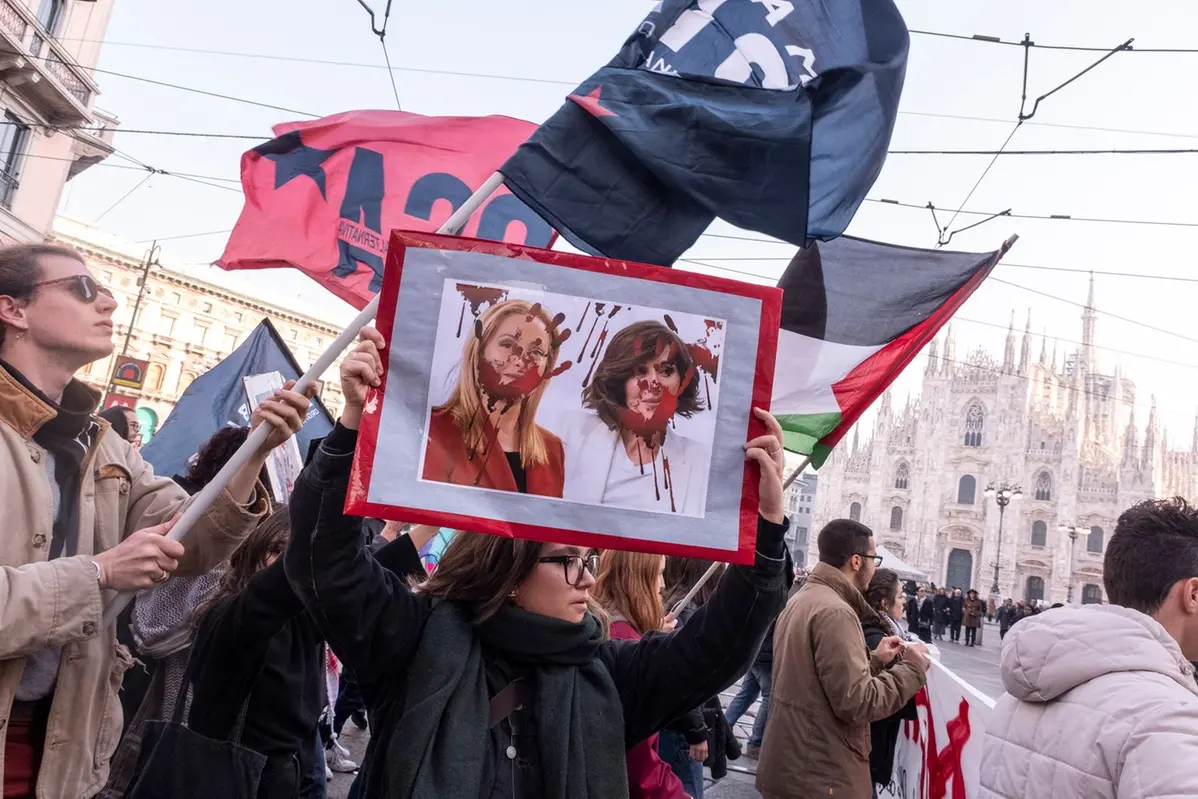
<point x="210" y="492"/>
<point x="691" y="593"/>
<point x="795" y="474"/>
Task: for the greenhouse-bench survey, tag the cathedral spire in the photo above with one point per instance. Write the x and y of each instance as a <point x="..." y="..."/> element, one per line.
<point x="1194" y="443"/>
<point x="1043" y="346"/>
<point x="1129" y="440"/>
<point x="1054" y="355"/>
<point x="1026" y="348"/>
<point x="933" y="358"/>
<point x="1150" y="436"/>
<point x="1089" y="318"/>
<point x="950" y="350"/>
<point x="1008" y="359"/>
<point x="855" y="439"/>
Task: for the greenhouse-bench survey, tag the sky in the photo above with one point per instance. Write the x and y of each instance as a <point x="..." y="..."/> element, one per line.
<point x="520" y="57"/>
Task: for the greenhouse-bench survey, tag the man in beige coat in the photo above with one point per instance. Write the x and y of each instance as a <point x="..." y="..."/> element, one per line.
<point x="828" y="686"/>
<point x="84" y="518"/>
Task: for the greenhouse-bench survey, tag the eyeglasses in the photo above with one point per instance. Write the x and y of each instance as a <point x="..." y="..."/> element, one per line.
<point x="877" y="559"/>
<point x="83" y="287"/>
<point x="573" y="565"/>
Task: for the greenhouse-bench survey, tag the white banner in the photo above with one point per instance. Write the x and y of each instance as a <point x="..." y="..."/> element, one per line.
<point x="938" y="756"/>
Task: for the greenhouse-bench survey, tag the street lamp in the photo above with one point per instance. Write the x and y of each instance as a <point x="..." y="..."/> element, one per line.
<point x="1072" y="530"/>
<point x="1002" y="493"/>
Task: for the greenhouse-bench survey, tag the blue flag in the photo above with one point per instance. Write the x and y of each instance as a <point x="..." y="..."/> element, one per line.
<point x="217" y="399"/>
<point x="770" y="114"/>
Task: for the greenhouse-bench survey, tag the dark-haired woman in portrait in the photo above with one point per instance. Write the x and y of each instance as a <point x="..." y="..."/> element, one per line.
<point x="625" y="451"/>
<point x="485" y="435"/>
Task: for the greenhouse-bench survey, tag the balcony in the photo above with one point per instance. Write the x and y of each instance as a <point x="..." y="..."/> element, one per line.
<point x="31" y="59"/>
<point x="93" y="146"/>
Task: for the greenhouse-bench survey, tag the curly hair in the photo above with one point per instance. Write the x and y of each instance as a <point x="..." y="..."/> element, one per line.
<point x="630" y="349"/>
<point x="215" y="453"/>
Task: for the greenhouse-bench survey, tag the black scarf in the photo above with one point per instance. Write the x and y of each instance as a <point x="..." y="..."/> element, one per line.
<point x="68" y="437"/>
<point x="440" y="742"/>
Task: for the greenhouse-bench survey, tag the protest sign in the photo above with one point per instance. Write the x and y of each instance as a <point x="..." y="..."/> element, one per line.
<point x="938" y="755"/>
<point x="559" y="397"/>
<point x="285" y="462"/>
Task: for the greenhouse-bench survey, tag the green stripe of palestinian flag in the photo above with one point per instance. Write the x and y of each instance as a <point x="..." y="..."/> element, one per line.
<point x="854" y="314"/>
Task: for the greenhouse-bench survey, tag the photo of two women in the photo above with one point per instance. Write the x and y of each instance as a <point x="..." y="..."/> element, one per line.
<point x="573" y="398"/>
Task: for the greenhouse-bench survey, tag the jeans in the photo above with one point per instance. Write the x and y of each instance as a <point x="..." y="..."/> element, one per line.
<point x="349" y="701"/>
<point x="317" y="784"/>
<point x="757" y="681"/>
<point x="673" y="749"/>
<point x="971" y="634"/>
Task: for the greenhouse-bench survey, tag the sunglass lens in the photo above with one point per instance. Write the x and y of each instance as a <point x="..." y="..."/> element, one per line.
<point x="84" y="288"/>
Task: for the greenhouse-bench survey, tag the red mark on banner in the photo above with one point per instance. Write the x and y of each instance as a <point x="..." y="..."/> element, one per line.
<point x="602" y="337"/>
<point x="533" y="311"/>
<point x="590" y="103"/>
<point x="941" y="765"/>
<point x="670" y="323"/>
<point x="581" y="318"/>
<point x="586" y="381"/>
<point x="476" y="297"/>
<point x="669" y="477"/>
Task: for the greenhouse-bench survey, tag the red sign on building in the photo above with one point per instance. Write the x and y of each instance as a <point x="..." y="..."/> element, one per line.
<point x="115" y="400"/>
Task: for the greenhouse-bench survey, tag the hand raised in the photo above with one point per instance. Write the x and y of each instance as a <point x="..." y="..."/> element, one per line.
<point x="361" y="371"/>
<point x="767" y="451"/>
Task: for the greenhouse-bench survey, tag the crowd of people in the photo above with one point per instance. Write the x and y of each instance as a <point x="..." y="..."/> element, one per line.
<point x="516" y="669"/>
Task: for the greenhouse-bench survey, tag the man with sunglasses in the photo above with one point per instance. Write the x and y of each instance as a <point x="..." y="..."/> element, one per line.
<point x="827" y="685"/>
<point x="84" y="517"/>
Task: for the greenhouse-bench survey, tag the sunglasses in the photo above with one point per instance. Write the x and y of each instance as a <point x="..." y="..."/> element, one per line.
<point x="83" y="287"/>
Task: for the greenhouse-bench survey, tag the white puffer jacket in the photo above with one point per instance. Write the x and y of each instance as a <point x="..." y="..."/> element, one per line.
<point x="1100" y="703"/>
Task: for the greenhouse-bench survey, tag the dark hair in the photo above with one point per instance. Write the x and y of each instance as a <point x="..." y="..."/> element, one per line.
<point x="681" y="575"/>
<point x="841" y="539"/>
<point x="115" y="416"/>
<point x="21" y="271"/>
<point x="881" y="589"/>
<point x="1154" y="546"/>
<point x="268" y="538"/>
<point x="629" y="350"/>
<point x="215" y="453"/>
<point x="627" y="585"/>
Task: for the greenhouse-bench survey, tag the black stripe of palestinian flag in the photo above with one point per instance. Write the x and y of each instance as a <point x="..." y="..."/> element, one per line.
<point x="854" y="314"/>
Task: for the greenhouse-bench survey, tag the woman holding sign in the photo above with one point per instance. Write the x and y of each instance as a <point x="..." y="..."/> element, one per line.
<point x="494" y="677"/>
<point x="486" y="435"/>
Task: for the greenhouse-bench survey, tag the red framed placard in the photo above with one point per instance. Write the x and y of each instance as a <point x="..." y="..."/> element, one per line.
<point x="359" y="500"/>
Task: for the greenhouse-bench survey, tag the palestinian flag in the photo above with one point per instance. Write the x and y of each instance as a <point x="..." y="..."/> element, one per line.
<point x="854" y="314"/>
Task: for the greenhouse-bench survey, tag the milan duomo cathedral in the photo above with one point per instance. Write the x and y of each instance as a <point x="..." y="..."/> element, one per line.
<point x="1064" y="431"/>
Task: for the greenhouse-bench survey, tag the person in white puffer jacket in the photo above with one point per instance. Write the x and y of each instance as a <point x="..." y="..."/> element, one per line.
<point x="1101" y="700"/>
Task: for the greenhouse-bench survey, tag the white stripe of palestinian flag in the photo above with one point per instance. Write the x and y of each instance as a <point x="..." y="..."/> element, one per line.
<point x="806" y="369"/>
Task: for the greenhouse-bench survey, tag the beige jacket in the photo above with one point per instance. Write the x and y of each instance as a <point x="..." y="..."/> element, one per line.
<point x="1101" y="703"/>
<point x="59" y="604"/>
<point x="827" y="688"/>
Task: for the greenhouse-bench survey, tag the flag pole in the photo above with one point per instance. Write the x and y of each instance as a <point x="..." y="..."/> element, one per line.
<point x="795" y="474"/>
<point x="681" y="603"/>
<point x="209" y="493"/>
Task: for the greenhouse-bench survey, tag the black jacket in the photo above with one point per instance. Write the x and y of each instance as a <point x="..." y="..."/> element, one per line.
<point x="940" y="609"/>
<point x="374" y="622"/>
<point x="262" y="644"/>
<point x="956" y="608"/>
<point x="1006" y="615"/>
<point x="884" y="734"/>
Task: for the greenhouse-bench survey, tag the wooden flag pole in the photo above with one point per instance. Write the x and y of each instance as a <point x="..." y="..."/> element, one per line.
<point x="795" y="474"/>
<point x="257" y="438"/>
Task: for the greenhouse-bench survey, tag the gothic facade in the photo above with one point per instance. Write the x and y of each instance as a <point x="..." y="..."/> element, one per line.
<point x="1061" y="429"/>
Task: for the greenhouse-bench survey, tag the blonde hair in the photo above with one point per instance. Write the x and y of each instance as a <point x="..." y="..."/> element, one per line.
<point x="627" y="585"/>
<point x="465" y="402"/>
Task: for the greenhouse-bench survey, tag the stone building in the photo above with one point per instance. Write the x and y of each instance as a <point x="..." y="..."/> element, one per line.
<point x="800" y="506"/>
<point x="186" y="324"/>
<point x="1064" y="430"/>
<point x="50" y="129"/>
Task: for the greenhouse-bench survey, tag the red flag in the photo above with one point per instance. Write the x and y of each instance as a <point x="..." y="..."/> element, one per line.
<point x="324" y="196"/>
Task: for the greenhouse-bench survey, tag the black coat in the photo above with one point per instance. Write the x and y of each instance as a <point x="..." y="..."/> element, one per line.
<point x="1006" y="615"/>
<point x="956" y="609"/>
<point x="884" y="734"/>
<point x="927" y="612"/>
<point x="263" y="645"/>
<point x="374" y="623"/>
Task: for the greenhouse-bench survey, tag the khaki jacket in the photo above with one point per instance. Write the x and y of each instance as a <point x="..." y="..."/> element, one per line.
<point x="827" y="688"/>
<point x="59" y="603"/>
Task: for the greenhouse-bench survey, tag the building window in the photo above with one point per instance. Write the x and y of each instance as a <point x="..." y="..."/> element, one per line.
<point x="177" y="299"/>
<point x="974" y="421"/>
<point x="902" y="475"/>
<point x="801" y="535"/>
<point x="239" y="316"/>
<point x="201" y="333"/>
<point x="166" y="325"/>
<point x="230" y="342"/>
<point x="1044" y="487"/>
<point x="14" y="139"/>
<point x="295" y="335"/>
<point x="896" y="518"/>
<point x="319" y="342"/>
<point x="185" y="380"/>
<point x="855" y="511"/>
<point x="967" y="488"/>
<point x="1039" y="534"/>
<point x="1035" y="588"/>
<point x="50" y="14"/>
<point x="1091" y="594"/>
<point x="206" y="308"/>
<point x="154" y="377"/>
<point x="1094" y="540"/>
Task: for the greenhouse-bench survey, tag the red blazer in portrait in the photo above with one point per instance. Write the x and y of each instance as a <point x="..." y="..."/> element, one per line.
<point x="447" y="460"/>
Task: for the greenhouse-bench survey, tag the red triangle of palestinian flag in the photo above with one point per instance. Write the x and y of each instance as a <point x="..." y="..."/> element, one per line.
<point x="854" y="314"/>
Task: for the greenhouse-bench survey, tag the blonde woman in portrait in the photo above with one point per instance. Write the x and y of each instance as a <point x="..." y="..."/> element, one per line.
<point x="485" y="435"/>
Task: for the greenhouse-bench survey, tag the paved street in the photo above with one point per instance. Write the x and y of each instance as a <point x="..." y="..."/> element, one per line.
<point x="978" y="666"/>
